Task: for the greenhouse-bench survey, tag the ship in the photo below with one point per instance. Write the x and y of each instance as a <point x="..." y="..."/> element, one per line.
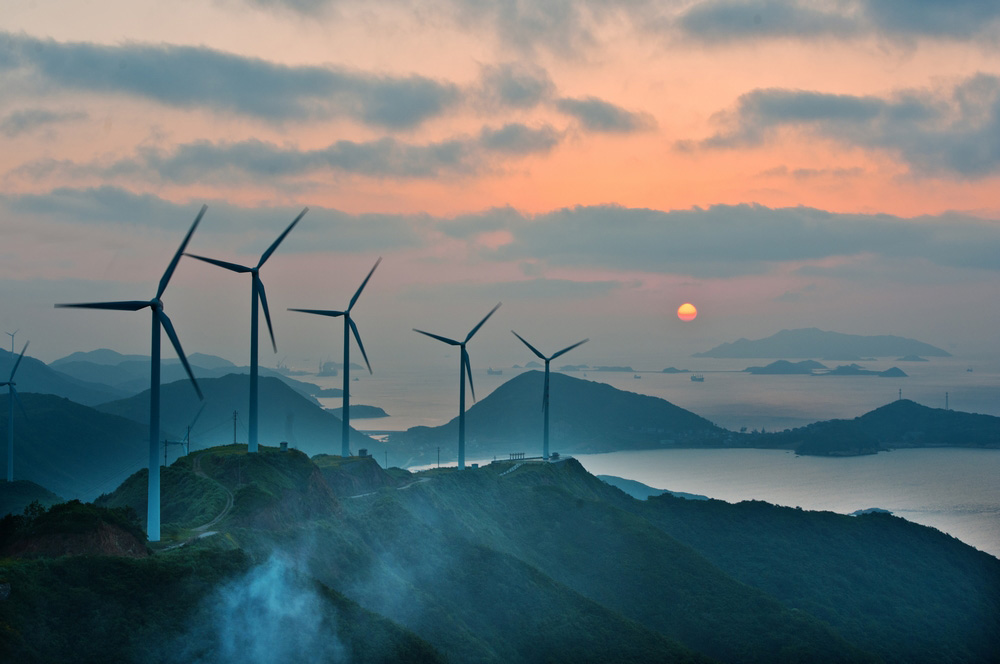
<point x="697" y="378"/>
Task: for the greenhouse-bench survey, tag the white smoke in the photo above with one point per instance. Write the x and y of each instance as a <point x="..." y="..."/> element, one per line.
<point x="272" y="614"/>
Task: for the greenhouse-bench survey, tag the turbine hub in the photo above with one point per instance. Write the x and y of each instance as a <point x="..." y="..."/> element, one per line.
<point x="156" y="303"/>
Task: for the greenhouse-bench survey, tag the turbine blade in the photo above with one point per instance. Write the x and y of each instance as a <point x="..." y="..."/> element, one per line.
<point x="320" y="312"/>
<point x="357" y="337"/>
<point x="568" y="348"/>
<point x="467" y="366"/>
<point x="128" y="305"/>
<point x="203" y="404"/>
<point x="450" y="342"/>
<point x="267" y="313"/>
<point x="18" y="362"/>
<point x="177" y="256"/>
<point x="476" y="328"/>
<point x="235" y="267"/>
<point x="364" y="283"/>
<point x="172" y="335"/>
<point x="274" y="245"/>
<point x="533" y="349"/>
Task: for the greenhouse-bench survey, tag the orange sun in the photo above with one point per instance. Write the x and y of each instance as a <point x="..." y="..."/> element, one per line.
<point x="686" y="312"/>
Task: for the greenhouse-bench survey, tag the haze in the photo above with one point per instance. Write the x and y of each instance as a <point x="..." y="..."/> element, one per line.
<point x="778" y="164"/>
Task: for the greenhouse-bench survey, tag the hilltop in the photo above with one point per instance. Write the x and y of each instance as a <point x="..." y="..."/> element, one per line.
<point x="584" y="417"/>
<point x="542" y="562"/>
<point x="36" y="376"/>
<point x="814" y="343"/>
<point x="284" y="414"/>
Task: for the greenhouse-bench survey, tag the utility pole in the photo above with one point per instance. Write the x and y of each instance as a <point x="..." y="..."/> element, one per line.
<point x="900" y="394"/>
<point x="387" y="459"/>
<point x="946" y="401"/>
<point x="234" y="427"/>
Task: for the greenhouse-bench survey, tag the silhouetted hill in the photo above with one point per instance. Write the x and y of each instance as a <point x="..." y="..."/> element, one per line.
<point x="584" y="416"/>
<point x="71" y="449"/>
<point x="35" y="376"/>
<point x="899" y="424"/>
<point x="812" y="342"/>
<point x="16" y="495"/>
<point x="284" y="414"/>
<point x="129" y="374"/>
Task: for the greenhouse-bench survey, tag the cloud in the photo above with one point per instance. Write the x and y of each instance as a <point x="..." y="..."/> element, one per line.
<point x="512" y="85"/>
<point x="947" y="132"/>
<point x="31" y="119"/>
<point x="259" y="161"/>
<point x="722" y="21"/>
<point x="526" y="289"/>
<point x="726" y="20"/>
<point x="201" y="78"/>
<point x="602" y="116"/>
<point x="729" y="240"/>
<point x="322" y="229"/>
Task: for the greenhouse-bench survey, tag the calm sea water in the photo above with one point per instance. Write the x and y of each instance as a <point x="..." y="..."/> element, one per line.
<point x="954" y="490"/>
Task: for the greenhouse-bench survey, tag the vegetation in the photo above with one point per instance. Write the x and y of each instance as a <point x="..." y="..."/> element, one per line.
<point x="545" y="563"/>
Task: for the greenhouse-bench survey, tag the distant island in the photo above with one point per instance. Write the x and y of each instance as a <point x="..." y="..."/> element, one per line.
<point x="912" y="358"/>
<point x="674" y="370"/>
<point x="812" y="342"/>
<point x="361" y="412"/>
<point x="784" y="367"/>
<point x="856" y="370"/>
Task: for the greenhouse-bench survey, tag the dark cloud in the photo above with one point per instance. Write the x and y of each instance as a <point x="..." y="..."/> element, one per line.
<point x="725" y="20"/>
<point x="602" y="116"/>
<point x="254" y="160"/>
<point x="720" y="21"/>
<point x="323" y="229"/>
<point x="31" y="119"/>
<point x="953" y="132"/>
<point x="512" y="85"/>
<point x="202" y="78"/>
<point x="730" y="240"/>
<point x="519" y="139"/>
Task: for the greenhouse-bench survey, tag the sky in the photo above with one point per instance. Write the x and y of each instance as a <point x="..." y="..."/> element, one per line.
<point x="592" y="164"/>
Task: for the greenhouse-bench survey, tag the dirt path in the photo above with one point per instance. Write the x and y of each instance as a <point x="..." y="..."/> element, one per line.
<point x="203" y="529"/>
<point x="398" y="488"/>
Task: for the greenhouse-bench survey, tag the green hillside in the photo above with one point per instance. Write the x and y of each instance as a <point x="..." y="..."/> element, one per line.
<point x="543" y="562"/>
<point x="72" y="450"/>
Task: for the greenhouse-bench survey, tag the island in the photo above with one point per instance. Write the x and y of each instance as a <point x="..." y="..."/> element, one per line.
<point x="812" y="343"/>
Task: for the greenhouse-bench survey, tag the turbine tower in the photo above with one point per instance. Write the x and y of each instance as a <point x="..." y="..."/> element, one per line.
<point x="345" y="447"/>
<point x="545" y="389"/>
<point x="11" y="396"/>
<point x="159" y="320"/>
<point x="186" y="443"/>
<point x="11" y="335"/>
<point x="464" y="368"/>
<point x="256" y="294"/>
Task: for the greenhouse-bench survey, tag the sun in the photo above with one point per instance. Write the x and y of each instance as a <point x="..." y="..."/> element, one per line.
<point x="686" y="312"/>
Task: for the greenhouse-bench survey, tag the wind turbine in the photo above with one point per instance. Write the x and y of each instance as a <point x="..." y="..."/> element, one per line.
<point x="464" y="368"/>
<point x="187" y="437"/>
<point x="345" y="448"/>
<point x="11" y="396"/>
<point x="256" y="294"/>
<point x="11" y="335"/>
<point x="545" y="389"/>
<point x="159" y="320"/>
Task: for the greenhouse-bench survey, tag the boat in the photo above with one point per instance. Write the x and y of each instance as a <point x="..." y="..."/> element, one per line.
<point x="494" y="372"/>
<point x="636" y="376"/>
<point x="697" y="378"/>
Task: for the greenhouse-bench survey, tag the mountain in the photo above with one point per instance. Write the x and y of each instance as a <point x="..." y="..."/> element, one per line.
<point x="35" y="376"/>
<point x="813" y="343"/>
<point x="584" y="417"/>
<point x="284" y="414"/>
<point x="520" y="563"/>
<point x="71" y="449"/>
<point x="900" y="424"/>
<point x="129" y="374"/>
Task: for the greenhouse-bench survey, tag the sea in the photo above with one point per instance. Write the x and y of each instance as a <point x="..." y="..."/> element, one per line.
<point x="954" y="490"/>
